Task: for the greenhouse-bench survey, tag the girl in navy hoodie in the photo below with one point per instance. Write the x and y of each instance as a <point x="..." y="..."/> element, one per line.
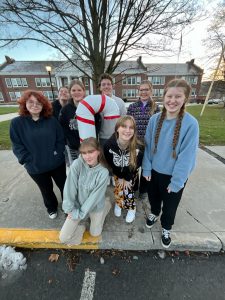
<point x="38" y="143"/>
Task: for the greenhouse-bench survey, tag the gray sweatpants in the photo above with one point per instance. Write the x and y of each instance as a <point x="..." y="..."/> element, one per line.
<point x="72" y="232"/>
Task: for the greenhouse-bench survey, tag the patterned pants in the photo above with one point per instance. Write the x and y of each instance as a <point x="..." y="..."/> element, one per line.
<point x="124" y="199"/>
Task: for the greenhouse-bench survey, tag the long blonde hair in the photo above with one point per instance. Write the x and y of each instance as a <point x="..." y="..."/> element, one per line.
<point x="134" y="142"/>
<point x="181" y="83"/>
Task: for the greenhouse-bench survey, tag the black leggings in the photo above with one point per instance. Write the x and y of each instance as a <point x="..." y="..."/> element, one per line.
<point x="45" y="184"/>
<point x="158" y="195"/>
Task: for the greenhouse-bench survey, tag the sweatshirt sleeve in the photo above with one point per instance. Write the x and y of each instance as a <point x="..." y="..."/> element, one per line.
<point x="186" y="158"/>
<point x="71" y="187"/>
<point x="94" y="198"/>
<point x="19" y="149"/>
<point x="147" y="159"/>
<point x="60" y="139"/>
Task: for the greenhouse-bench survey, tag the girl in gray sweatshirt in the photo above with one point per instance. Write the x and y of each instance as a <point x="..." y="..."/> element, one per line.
<point x="84" y="194"/>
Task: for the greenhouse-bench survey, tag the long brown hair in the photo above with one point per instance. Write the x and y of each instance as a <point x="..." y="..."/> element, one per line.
<point x="151" y="100"/>
<point x="134" y="142"/>
<point x="92" y="143"/>
<point x="46" y="104"/>
<point x="181" y="83"/>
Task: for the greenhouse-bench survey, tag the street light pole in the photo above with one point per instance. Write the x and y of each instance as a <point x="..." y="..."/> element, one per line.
<point x="49" y="69"/>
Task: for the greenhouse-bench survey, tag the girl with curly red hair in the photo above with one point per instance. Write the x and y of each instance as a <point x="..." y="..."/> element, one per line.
<point x="38" y="143"/>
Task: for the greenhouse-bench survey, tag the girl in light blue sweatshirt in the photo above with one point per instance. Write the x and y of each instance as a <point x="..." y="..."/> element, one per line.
<point x="84" y="193"/>
<point x="172" y="139"/>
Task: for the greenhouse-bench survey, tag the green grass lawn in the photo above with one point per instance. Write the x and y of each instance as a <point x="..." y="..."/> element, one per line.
<point x="212" y="126"/>
<point x="4" y="135"/>
<point x="212" y="123"/>
<point x="8" y="110"/>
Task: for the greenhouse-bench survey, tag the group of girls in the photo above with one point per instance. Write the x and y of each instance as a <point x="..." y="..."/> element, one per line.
<point x="163" y="144"/>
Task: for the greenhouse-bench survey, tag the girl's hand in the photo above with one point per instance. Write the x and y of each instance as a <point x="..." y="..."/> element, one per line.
<point x="148" y="178"/>
<point x="69" y="216"/>
<point x="120" y="183"/>
<point x="127" y="185"/>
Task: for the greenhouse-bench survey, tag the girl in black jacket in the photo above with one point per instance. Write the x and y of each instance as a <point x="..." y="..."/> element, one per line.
<point x="124" y="155"/>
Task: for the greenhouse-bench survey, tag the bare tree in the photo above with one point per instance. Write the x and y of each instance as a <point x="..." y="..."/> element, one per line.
<point x="215" y="41"/>
<point x="93" y="35"/>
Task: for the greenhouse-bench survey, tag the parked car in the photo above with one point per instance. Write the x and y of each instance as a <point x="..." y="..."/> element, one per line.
<point x="215" y="101"/>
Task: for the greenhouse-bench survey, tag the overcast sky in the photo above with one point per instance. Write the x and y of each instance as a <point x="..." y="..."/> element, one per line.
<point x="191" y="47"/>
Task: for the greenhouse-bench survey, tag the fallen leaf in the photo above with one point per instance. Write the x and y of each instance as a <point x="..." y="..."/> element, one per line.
<point x="115" y="272"/>
<point x="50" y="281"/>
<point x="53" y="257"/>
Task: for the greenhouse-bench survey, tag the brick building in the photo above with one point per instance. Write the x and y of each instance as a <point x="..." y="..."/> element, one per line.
<point x="17" y="76"/>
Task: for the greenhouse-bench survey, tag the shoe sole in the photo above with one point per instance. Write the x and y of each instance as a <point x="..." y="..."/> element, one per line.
<point x="165" y="246"/>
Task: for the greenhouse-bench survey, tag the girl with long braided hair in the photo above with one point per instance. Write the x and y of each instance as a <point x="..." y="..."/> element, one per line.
<point x="172" y="138"/>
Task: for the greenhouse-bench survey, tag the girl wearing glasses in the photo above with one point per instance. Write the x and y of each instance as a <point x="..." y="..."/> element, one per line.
<point x="38" y="143"/>
<point x="142" y="110"/>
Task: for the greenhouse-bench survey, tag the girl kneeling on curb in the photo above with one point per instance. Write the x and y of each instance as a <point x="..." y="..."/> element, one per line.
<point x="124" y="157"/>
<point x="172" y="138"/>
<point x="84" y="193"/>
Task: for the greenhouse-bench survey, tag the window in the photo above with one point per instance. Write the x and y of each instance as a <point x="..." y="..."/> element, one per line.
<point x="130" y="93"/>
<point x="44" y="82"/>
<point x="14" y="95"/>
<point x="64" y="81"/>
<point x="86" y="81"/>
<point x="1" y="97"/>
<point x="132" y="80"/>
<point x="48" y="94"/>
<point x="157" y="92"/>
<point x="193" y="92"/>
<point x="16" y="82"/>
<point x="157" y="80"/>
<point x="191" y="79"/>
<point x="8" y="82"/>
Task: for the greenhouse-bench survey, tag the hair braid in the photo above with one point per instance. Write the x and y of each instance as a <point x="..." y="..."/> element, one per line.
<point x="177" y="130"/>
<point x="158" y="129"/>
<point x="152" y="107"/>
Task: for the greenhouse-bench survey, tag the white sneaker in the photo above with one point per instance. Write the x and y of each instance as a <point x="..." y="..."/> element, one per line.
<point x="53" y="215"/>
<point x="130" y="215"/>
<point x="117" y="211"/>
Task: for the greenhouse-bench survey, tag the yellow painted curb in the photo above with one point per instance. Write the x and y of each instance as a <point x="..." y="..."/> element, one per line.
<point x="46" y="238"/>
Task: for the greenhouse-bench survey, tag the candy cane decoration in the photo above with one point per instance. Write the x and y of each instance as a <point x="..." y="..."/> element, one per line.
<point x="90" y="106"/>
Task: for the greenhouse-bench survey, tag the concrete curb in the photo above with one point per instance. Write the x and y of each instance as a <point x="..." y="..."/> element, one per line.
<point x="31" y="238"/>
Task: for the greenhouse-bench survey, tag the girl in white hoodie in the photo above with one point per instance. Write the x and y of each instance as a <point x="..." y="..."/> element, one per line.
<point x="84" y="193"/>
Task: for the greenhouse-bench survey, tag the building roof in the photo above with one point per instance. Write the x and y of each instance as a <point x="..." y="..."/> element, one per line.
<point x="28" y="67"/>
<point x="173" y="69"/>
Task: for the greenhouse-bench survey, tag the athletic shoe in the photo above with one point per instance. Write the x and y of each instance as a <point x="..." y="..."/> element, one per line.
<point x="117" y="211"/>
<point x="53" y="215"/>
<point x="165" y="240"/>
<point x="130" y="215"/>
<point x="151" y="220"/>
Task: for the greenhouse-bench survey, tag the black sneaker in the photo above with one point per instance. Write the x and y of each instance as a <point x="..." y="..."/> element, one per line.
<point x="151" y="220"/>
<point x="165" y="239"/>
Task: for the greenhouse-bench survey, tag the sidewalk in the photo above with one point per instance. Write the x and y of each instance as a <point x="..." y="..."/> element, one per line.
<point x="7" y="117"/>
<point x="199" y="225"/>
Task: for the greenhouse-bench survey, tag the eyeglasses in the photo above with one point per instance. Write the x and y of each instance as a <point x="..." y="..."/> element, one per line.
<point x="144" y="90"/>
<point x="32" y="103"/>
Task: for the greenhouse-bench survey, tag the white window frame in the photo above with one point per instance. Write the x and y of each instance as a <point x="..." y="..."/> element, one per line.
<point x="131" y="80"/>
<point x="1" y="97"/>
<point x="14" y="95"/>
<point x="157" y="92"/>
<point x="130" y="93"/>
<point x="8" y="82"/>
<point x="157" y="80"/>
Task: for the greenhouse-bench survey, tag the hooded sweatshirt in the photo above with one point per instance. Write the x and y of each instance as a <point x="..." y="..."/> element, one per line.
<point x="85" y="188"/>
<point x="38" y="145"/>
